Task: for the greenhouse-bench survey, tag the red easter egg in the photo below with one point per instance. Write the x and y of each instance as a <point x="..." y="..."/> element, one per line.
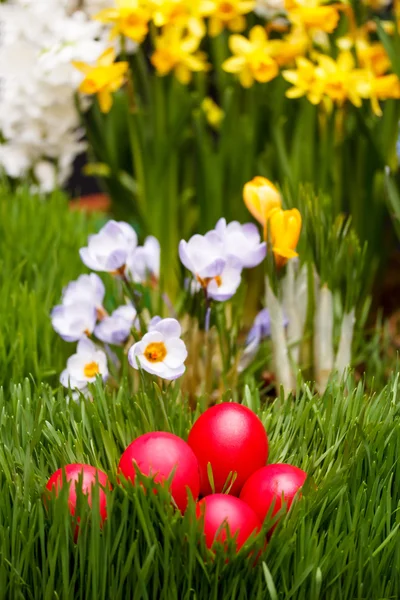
<point x="269" y="484"/>
<point x="90" y="477"/>
<point x="223" y="508"/>
<point x="158" y="453"/>
<point x="231" y="438"/>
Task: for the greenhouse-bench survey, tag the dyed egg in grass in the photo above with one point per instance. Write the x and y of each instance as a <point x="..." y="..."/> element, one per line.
<point x="233" y="440"/>
<point x="220" y="509"/>
<point x="90" y="476"/>
<point x="157" y="454"/>
<point x="270" y="485"/>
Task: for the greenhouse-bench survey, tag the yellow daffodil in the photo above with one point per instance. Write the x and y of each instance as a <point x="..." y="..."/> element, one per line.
<point x="229" y="14"/>
<point x="177" y="51"/>
<point x="379" y="88"/>
<point x="103" y="78"/>
<point x="183" y="13"/>
<point x="335" y="79"/>
<point x="129" y="18"/>
<point x="261" y="197"/>
<point x="373" y="56"/>
<point x="370" y="55"/>
<point x="214" y="114"/>
<point x="285" y="50"/>
<point x="339" y="78"/>
<point x="252" y="60"/>
<point x="304" y="81"/>
<point x="285" y="228"/>
<point x="313" y="15"/>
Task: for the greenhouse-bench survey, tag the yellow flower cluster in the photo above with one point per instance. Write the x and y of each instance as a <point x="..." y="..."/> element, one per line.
<point x="359" y="67"/>
<point x="340" y="80"/>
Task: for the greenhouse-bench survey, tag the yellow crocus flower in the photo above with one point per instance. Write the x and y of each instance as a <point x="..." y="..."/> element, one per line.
<point x="261" y="197"/>
<point x="214" y="114"/>
<point x="103" y="78"/>
<point x="177" y="51"/>
<point x="129" y="18"/>
<point x="229" y="14"/>
<point x="252" y="60"/>
<point x="285" y="228"/>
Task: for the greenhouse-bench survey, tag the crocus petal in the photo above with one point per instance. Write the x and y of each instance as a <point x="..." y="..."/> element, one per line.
<point x="169" y="328"/>
<point x="176" y="353"/>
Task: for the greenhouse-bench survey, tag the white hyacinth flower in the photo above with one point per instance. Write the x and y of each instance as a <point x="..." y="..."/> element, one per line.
<point x="144" y="264"/>
<point x="110" y="249"/>
<point x="242" y="242"/>
<point x="224" y="286"/>
<point x="74" y="321"/>
<point x="116" y="328"/>
<point x="160" y="352"/>
<point x="87" y="288"/>
<point x="84" y="366"/>
<point x="39" y="123"/>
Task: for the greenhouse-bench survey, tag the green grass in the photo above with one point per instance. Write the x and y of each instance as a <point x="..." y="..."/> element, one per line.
<point x="340" y="541"/>
<point x="39" y="243"/>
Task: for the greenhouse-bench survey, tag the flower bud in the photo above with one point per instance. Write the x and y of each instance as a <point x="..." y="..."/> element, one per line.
<point x="260" y="197"/>
<point x="285" y="228"/>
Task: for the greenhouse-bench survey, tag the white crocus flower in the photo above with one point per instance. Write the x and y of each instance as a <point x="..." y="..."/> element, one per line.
<point x="84" y="366"/>
<point x="74" y="321"/>
<point x="223" y="286"/>
<point x="242" y="242"/>
<point x="110" y="249"/>
<point x="88" y="289"/>
<point x="203" y="255"/>
<point x="144" y="264"/>
<point x="160" y="352"/>
<point x="116" y="328"/>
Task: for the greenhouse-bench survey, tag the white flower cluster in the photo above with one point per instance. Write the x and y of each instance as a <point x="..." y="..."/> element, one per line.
<point x="81" y="314"/>
<point x="216" y="261"/>
<point x="39" y="122"/>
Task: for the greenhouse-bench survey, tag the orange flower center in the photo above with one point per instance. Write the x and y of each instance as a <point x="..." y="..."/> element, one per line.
<point x="226" y="9"/>
<point x="133" y="20"/>
<point x="91" y="86"/>
<point x="218" y="280"/>
<point x="119" y="272"/>
<point x="155" y="352"/>
<point x="91" y="369"/>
